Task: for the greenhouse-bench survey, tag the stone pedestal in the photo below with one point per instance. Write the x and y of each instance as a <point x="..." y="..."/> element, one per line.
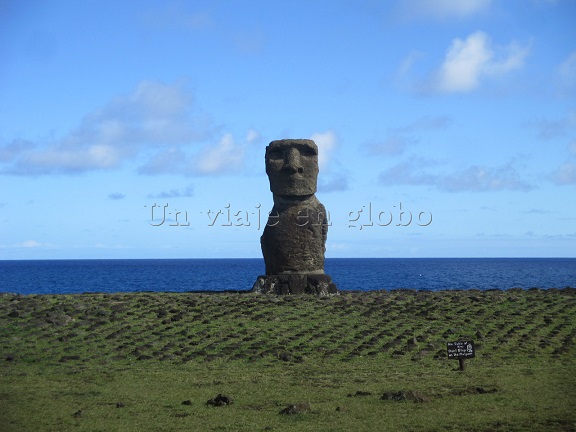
<point x="318" y="284"/>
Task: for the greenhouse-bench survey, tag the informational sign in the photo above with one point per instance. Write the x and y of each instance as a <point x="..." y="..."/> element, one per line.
<point x="460" y="349"/>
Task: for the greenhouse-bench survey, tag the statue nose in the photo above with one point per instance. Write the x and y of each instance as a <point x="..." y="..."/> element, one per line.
<point x="292" y="161"/>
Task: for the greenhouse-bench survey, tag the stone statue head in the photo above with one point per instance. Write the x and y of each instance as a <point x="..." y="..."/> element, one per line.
<point x="292" y="167"/>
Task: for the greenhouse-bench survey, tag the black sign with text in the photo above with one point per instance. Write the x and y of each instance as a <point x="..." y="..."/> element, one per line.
<point x="460" y="349"/>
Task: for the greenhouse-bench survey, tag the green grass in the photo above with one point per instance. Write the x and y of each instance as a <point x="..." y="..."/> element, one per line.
<point x="67" y="360"/>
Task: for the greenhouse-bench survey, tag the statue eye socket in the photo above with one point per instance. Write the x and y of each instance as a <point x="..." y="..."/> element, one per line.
<point x="276" y="154"/>
<point x="307" y="151"/>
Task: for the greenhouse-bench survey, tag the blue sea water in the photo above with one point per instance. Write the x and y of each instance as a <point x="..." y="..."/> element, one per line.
<point x="365" y="274"/>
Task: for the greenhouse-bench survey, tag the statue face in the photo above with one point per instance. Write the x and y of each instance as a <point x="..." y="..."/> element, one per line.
<point x="292" y="167"/>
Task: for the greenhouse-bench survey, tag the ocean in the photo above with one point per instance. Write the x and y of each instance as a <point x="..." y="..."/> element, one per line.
<point x="364" y="274"/>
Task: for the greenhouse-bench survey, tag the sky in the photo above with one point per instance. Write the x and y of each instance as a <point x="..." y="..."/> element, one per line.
<point x="137" y="129"/>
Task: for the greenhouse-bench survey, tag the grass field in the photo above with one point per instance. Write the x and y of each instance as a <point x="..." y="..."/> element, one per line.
<point x="151" y="361"/>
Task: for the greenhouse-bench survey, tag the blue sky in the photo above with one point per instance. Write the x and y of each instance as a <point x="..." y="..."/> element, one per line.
<point x="137" y="129"/>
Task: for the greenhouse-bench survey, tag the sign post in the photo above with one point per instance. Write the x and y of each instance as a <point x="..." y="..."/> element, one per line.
<point x="460" y="350"/>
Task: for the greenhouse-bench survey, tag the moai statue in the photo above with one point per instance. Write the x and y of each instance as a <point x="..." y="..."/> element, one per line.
<point x="294" y="239"/>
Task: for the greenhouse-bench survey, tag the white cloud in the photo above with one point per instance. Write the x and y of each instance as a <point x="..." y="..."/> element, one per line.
<point x="188" y="191"/>
<point x="538" y="211"/>
<point x="474" y="178"/>
<point x="390" y="146"/>
<point x="154" y="116"/>
<point x="167" y="161"/>
<point x="30" y="244"/>
<point x="408" y="63"/>
<point x="424" y="124"/>
<point x="116" y="196"/>
<point x="251" y="41"/>
<point x="565" y="174"/>
<point x="402" y="137"/>
<point x="470" y="60"/>
<point x="12" y="150"/>
<point x="481" y="178"/>
<point x="443" y="9"/>
<point x="223" y="158"/>
<point x="566" y="74"/>
<point x="153" y="127"/>
<point x="69" y="159"/>
<point x="557" y="128"/>
<point x="326" y="142"/>
<point x="175" y="15"/>
<point x="252" y="136"/>
<point x="545" y="2"/>
<point x="116" y="246"/>
<point x="336" y="183"/>
<point x="464" y="60"/>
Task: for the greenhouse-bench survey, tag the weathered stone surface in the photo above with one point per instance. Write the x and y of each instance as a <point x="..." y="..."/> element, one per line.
<point x="294" y="238"/>
<point x="299" y="408"/>
<point x="295" y="235"/>
<point x="220" y="400"/>
<point x="318" y="284"/>
<point x="405" y="395"/>
<point x="292" y="167"/>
